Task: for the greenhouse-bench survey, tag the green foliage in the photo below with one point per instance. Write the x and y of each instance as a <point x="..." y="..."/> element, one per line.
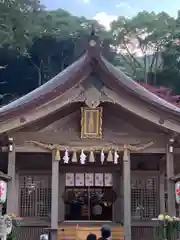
<point x="36" y="44"/>
<point x="17" y="20"/>
<point x="141" y="40"/>
<point x="166" y="231"/>
<point x="15" y="230"/>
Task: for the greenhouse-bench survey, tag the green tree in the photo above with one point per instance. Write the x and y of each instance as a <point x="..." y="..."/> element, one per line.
<point x="17" y="20"/>
<point x="56" y="40"/>
<point x="140" y="41"/>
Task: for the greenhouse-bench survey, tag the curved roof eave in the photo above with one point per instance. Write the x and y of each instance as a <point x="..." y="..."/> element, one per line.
<point x="73" y="75"/>
<point x="141" y="92"/>
<point x="62" y="82"/>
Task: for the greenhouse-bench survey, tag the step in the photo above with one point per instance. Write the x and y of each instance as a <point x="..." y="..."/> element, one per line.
<point x="77" y="232"/>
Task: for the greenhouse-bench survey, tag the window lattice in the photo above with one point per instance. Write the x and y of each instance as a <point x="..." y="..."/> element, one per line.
<point x="145" y="197"/>
<point x="35" y="196"/>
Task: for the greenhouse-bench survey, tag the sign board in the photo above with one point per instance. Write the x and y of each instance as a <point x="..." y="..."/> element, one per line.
<point x="177" y="192"/>
<point x="3" y="191"/>
<point x="91" y="122"/>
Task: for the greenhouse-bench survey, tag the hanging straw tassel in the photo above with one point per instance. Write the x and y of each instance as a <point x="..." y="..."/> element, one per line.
<point x="74" y="157"/>
<point x="91" y="157"/>
<point x="110" y="156"/>
<point x="57" y="155"/>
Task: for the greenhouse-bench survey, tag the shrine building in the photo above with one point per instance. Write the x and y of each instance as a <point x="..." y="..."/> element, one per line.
<point x="90" y="147"/>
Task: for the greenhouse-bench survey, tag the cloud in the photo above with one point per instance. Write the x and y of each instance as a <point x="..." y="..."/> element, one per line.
<point x="124" y="5"/>
<point x="85" y="1"/>
<point x="105" y="19"/>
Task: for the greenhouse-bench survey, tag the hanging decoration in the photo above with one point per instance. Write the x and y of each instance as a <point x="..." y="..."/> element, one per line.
<point x="109" y="197"/>
<point x="110" y="156"/>
<point x="108" y="180"/>
<point x="57" y="155"/>
<point x="105" y="148"/>
<point x="69" y="180"/>
<point x="102" y="156"/>
<point x="66" y="157"/>
<point x="89" y="179"/>
<point x="99" y="180"/>
<point x="91" y="157"/>
<point x="83" y="157"/>
<point x="108" y="148"/>
<point x="79" y="179"/>
<point x="116" y="157"/>
<point x="74" y="157"/>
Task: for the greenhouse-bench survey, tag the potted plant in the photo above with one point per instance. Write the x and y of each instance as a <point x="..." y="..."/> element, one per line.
<point x="15" y="227"/>
<point x="167" y="226"/>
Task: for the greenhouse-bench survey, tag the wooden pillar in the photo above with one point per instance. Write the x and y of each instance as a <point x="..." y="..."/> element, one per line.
<point x="12" y="194"/>
<point x="117" y="208"/>
<point x="61" y="201"/>
<point x="170" y="184"/>
<point x="161" y="186"/>
<point x="127" y="194"/>
<point x="54" y="197"/>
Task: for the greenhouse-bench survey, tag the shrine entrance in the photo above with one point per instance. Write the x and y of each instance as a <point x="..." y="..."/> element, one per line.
<point x="89" y="198"/>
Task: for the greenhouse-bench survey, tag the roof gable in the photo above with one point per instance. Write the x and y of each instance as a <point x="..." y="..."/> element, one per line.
<point x="71" y="78"/>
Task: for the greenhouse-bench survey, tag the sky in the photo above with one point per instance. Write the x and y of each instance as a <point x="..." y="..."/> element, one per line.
<point x="106" y="11"/>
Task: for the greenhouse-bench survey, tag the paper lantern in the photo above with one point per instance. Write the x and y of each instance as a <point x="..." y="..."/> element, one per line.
<point x="3" y="191"/>
<point x="177" y="192"/>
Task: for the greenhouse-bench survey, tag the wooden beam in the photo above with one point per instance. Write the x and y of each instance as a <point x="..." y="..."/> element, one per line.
<point x="65" y="136"/>
<point x="34" y="149"/>
<point x="141" y="110"/>
<point x="175" y="178"/>
<point x="41" y="112"/>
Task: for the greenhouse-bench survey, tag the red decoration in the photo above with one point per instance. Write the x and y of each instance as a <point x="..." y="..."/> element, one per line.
<point x="1" y="190"/>
<point x="178" y="192"/>
<point x="163" y="92"/>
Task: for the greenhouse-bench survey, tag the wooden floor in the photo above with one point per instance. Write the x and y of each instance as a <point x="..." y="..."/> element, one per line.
<point x="77" y="232"/>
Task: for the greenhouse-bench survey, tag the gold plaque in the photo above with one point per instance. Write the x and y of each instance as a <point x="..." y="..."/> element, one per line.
<point x="91" y="122"/>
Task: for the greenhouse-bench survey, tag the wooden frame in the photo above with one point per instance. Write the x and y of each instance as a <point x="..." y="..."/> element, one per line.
<point x="96" y="122"/>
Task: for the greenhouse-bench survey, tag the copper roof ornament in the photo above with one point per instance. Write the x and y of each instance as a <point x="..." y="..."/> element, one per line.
<point x="93" y="43"/>
<point x="93" y="38"/>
